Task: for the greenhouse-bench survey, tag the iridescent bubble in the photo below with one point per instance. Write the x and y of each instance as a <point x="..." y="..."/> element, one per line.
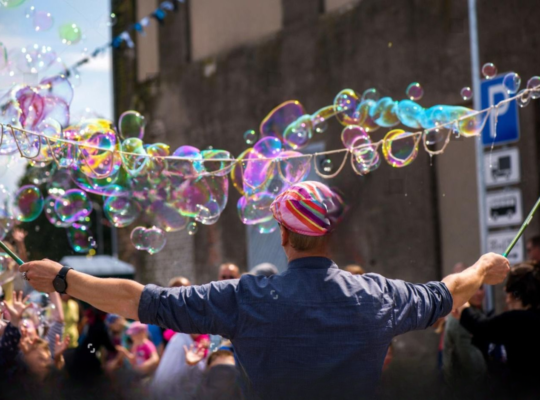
<point x="327" y="165"/>
<point x="134" y="157"/>
<point x="250" y="136"/>
<point x="466" y="93"/>
<point x="384" y="113"/>
<point x="255" y="209"/>
<point x="138" y="238"/>
<point x="43" y="21"/>
<point x="29" y="12"/>
<point x="214" y="164"/>
<point x="70" y="34"/>
<point x="29" y="203"/>
<point x="293" y="166"/>
<point x="121" y="211"/>
<point x="51" y="215"/>
<point x="80" y="238"/>
<point x="414" y="91"/>
<point x="259" y="167"/>
<point x="154" y="240"/>
<point x="188" y="163"/>
<point x="410" y="113"/>
<point x="167" y="216"/>
<point x="298" y="134"/>
<point x="132" y="124"/>
<point x="363" y="112"/>
<point x="209" y="213"/>
<point x="371" y="94"/>
<point x="533" y="85"/>
<point x="73" y="205"/>
<point x="524" y="98"/>
<point x="400" y="148"/>
<point x="192" y="228"/>
<point x="471" y="123"/>
<point x="489" y="70"/>
<point x="275" y="123"/>
<point x="12" y="3"/>
<point x="346" y="104"/>
<point x="267" y="227"/>
<point x="350" y="134"/>
<point x="512" y="82"/>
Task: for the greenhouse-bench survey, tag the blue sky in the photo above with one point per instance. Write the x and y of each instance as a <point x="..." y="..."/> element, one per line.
<point x="94" y="91"/>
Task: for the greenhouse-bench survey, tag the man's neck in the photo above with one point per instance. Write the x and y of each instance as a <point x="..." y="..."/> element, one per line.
<point x="295" y="255"/>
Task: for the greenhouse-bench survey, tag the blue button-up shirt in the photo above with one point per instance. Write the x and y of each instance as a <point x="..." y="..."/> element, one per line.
<point x="314" y="331"/>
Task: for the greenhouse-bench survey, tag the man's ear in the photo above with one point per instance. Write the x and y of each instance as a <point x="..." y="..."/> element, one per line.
<point x="284" y="235"/>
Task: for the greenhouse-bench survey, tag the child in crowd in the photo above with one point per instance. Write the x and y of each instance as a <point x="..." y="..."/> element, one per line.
<point x="143" y="355"/>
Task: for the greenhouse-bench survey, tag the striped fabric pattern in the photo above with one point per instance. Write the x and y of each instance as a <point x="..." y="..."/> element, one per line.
<point x="306" y="207"/>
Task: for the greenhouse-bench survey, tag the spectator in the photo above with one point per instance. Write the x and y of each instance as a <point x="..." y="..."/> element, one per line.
<point x="220" y="357"/>
<point x="517" y="329"/>
<point x="228" y="271"/>
<point x="464" y="366"/>
<point x="143" y="355"/>
<point x="220" y="380"/>
<point x="355" y="269"/>
<point x="177" y="281"/>
<point x="533" y="249"/>
<point x="71" y="319"/>
<point x="264" y="269"/>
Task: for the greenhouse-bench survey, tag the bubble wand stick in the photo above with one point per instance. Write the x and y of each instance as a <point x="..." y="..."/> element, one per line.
<point x="522" y="229"/>
<point x="11" y="254"/>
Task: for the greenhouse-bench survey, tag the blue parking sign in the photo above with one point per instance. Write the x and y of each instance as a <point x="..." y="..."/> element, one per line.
<point x="502" y="126"/>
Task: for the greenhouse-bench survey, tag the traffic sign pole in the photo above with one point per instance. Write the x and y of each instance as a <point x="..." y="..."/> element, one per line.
<point x="481" y="186"/>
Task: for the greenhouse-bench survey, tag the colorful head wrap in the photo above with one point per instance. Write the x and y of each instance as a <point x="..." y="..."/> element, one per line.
<point x="308" y="208"/>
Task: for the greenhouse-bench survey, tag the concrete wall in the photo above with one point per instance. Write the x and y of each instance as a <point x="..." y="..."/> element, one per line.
<point x="333" y="5"/>
<point x="218" y="26"/>
<point x="147" y="45"/>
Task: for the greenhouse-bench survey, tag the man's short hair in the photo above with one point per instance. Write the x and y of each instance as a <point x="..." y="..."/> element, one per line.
<point x="306" y="243"/>
<point x="355" y="269"/>
<point x="179" y="281"/>
<point x="535" y="241"/>
<point x="218" y="354"/>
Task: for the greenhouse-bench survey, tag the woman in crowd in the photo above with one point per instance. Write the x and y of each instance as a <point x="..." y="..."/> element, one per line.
<point x="518" y="329"/>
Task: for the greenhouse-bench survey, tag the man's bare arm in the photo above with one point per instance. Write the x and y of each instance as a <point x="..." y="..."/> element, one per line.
<point x="490" y="269"/>
<point x="118" y="296"/>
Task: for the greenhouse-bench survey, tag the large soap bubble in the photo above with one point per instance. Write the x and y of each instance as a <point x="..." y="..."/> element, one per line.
<point x="28" y="203"/>
<point x="73" y="205"/>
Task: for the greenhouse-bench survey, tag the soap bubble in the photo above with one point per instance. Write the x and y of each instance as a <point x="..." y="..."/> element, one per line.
<point x="70" y="34"/>
<point x="267" y="227"/>
<point x="327" y="165"/>
<point x="466" y="93"/>
<point x="298" y="134"/>
<point x="385" y="112"/>
<point x="80" y="238"/>
<point x="73" y="205"/>
<point x="29" y="203"/>
<point x="512" y="82"/>
<point x="415" y="91"/>
<point x="132" y="124"/>
<point x="371" y="94"/>
<point x="533" y="84"/>
<point x="255" y="209"/>
<point x="489" y="70"/>
<point x="138" y="238"/>
<point x="154" y="240"/>
<point x="121" y="211"/>
<point x="250" y="136"/>
<point x="275" y="123"/>
<point x="12" y="3"/>
<point x="51" y="214"/>
<point x="346" y="104"/>
<point x="167" y="216"/>
<point x="524" y="98"/>
<point x="192" y="228"/>
<point x="29" y="12"/>
<point x="43" y="21"/>
<point x="400" y="148"/>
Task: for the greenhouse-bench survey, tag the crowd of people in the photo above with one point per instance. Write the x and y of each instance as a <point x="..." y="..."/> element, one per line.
<point x="66" y="349"/>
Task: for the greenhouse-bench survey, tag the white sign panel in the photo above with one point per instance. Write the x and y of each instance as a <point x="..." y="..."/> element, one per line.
<point x="501" y="167"/>
<point x="499" y="241"/>
<point x="504" y="208"/>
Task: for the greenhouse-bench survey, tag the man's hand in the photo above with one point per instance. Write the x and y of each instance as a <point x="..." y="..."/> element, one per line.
<point x="495" y="268"/>
<point x="41" y="274"/>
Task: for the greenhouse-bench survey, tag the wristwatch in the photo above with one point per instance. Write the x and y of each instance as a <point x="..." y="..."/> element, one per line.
<point x="60" y="283"/>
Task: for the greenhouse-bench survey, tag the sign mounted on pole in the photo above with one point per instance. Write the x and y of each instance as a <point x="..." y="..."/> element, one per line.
<point x="502" y="125"/>
<point x="504" y="208"/>
<point x="499" y="241"/>
<point x="501" y="167"/>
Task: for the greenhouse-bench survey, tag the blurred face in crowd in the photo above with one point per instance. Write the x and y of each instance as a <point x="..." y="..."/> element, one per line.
<point x="477" y="300"/>
<point x="228" y="271"/>
<point x="118" y="325"/>
<point x="533" y="252"/>
<point x="38" y="359"/>
<point x="139" y="337"/>
<point x="27" y="327"/>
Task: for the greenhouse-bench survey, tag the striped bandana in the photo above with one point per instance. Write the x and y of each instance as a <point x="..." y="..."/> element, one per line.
<point x="308" y="208"/>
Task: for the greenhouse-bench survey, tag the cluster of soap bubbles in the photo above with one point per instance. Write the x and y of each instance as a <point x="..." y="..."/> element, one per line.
<point x="161" y="190"/>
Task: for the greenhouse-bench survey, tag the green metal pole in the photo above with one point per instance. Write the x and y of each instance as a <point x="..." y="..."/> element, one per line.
<point x="13" y="255"/>
<point x="522" y="229"/>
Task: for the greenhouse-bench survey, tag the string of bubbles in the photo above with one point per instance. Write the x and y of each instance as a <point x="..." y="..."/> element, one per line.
<point x="160" y="189"/>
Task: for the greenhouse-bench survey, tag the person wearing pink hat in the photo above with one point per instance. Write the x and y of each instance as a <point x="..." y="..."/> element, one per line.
<point x="311" y="332"/>
<point x="143" y="355"/>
